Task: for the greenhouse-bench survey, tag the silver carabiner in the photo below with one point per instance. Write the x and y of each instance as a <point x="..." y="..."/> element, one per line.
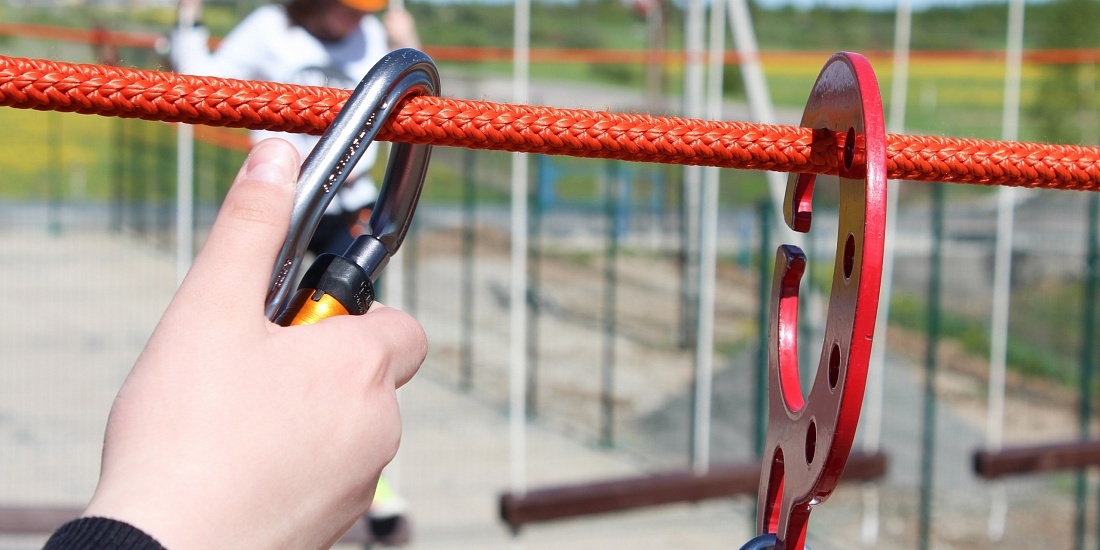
<point x="398" y="75"/>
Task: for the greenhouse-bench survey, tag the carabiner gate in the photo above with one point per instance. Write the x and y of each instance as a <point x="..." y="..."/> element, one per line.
<point x="337" y="285"/>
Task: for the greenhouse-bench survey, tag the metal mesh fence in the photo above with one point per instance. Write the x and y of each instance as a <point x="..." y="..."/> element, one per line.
<point x="87" y="229"/>
<point x="608" y="362"/>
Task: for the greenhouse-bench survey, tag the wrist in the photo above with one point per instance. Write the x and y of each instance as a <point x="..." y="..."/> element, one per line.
<point x="100" y="532"/>
<point x="171" y="526"/>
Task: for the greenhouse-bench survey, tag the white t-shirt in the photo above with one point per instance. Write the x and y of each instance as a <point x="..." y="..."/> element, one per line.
<point x="267" y="46"/>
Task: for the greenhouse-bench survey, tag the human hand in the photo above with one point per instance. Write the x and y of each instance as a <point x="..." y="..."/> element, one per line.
<point x="400" y="28"/>
<point x="189" y="12"/>
<point x="231" y="431"/>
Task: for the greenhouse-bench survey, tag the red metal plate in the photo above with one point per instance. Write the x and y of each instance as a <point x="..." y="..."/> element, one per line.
<point x="808" y="440"/>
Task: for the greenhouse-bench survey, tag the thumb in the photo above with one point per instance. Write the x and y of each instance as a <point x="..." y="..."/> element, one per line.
<point x="236" y="262"/>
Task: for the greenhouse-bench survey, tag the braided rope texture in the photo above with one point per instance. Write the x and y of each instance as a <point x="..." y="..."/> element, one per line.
<point x="150" y="95"/>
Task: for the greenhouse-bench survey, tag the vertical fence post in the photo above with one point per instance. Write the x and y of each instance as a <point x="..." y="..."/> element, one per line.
<point x="56" y="174"/>
<point x="185" y="199"/>
<point x="763" y="320"/>
<point x="656" y="206"/>
<point x="928" y="435"/>
<point x="689" y="286"/>
<point x="544" y="179"/>
<point x="469" y="205"/>
<point x="140" y="159"/>
<point x="607" y="371"/>
<point x="164" y="188"/>
<point x="760" y="395"/>
<point x="412" y="260"/>
<point x="118" y="173"/>
<point x="1088" y="355"/>
<point x="185" y="183"/>
<point x="144" y="163"/>
<point x="517" y="288"/>
<point x="624" y="202"/>
<point x="227" y="166"/>
<point x="694" y="107"/>
<point x="133" y="173"/>
<point x="689" y="259"/>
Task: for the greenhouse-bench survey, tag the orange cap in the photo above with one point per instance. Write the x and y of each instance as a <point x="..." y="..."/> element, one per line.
<point x="366" y="5"/>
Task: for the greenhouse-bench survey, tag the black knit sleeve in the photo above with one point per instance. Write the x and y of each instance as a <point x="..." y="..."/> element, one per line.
<point x="100" y="534"/>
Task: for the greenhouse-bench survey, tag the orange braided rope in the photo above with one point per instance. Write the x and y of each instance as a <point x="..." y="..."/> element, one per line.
<point x="150" y="95"/>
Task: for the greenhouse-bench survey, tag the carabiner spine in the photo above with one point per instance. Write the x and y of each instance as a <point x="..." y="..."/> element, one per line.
<point x="397" y="76"/>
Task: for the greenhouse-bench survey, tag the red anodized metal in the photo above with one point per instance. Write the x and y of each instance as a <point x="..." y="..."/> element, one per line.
<point x="808" y="440"/>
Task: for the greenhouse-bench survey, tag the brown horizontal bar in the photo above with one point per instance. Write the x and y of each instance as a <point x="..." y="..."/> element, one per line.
<point x="34" y="521"/>
<point x="1073" y="455"/>
<point x="16" y="520"/>
<point x="652" y="490"/>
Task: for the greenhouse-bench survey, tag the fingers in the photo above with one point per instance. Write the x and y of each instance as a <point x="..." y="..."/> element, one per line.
<point x="385" y="342"/>
<point x="405" y="339"/>
<point x="236" y="262"/>
<point x="230" y="277"/>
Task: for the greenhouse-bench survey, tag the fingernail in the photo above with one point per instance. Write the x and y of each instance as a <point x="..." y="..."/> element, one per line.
<point x="272" y="162"/>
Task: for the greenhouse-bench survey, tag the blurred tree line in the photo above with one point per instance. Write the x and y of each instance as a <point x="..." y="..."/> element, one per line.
<point x="1065" y="110"/>
<point x="609" y="24"/>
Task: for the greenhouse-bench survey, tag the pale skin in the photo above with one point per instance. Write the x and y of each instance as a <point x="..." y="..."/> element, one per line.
<point x="233" y="432"/>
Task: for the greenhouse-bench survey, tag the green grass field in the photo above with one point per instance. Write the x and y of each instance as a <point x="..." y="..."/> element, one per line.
<point x="39" y="146"/>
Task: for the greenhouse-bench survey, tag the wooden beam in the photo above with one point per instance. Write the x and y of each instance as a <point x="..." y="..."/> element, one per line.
<point x="1037" y="458"/>
<point x="652" y="490"/>
<point x="34" y="521"/>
